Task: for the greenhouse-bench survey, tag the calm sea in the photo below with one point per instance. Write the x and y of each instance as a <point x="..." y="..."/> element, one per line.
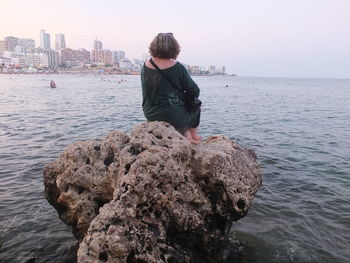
<point x="299" y="128"/>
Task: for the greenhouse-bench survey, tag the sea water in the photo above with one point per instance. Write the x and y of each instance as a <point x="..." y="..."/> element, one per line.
<point x="299" y="128"/>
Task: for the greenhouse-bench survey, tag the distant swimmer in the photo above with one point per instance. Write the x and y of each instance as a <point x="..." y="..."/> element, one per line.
<point x="52" y="84"/>
<point x="226" y="85"/>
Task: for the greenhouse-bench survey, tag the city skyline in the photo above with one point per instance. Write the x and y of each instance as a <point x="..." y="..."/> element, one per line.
<point x="259" y="38"/>
<point x="16" y="52"/>
<point x="22" y="55"/>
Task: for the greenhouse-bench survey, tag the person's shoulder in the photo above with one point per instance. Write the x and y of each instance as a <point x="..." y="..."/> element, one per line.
<point x="181" y="66"/>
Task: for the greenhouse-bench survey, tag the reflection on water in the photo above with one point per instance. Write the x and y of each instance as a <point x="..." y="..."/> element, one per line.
<point x="299" y="129"/>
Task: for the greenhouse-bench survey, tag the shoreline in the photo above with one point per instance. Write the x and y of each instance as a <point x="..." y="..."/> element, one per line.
<point x="99" y="73"/>
<point x="85" y="71"/>
<point x="70" y="73"/>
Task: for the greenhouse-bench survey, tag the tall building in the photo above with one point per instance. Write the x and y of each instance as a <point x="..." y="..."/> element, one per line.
<point x="45" y="41"/>
<point x="118" y="56"/>
<point x="25" y="44"/>
<point x="69" y="55"/>
<point x="195" y="69"/>
<point x="97" y="45"/>
<point x="220" y="70"/>
<point x="102" y="56"/>
<point x="11" y="43"/>
<point x="99" y="55"/>
<point x="60" y="42"/>
<point x="42" y="38"/>
<point x="53" y="58"/>
<point x="212" y="69"/>
<point x="82" y="55"/>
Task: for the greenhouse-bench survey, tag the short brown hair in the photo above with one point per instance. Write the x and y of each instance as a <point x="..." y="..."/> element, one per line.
<point x="164" y="45"/>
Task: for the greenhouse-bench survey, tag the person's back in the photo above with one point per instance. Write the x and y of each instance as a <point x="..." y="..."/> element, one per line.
<point x="161" y="100"/>
<point x="161" y="63"/>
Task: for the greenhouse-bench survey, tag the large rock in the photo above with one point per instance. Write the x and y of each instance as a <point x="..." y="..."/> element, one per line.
<point x="152" y="197"/>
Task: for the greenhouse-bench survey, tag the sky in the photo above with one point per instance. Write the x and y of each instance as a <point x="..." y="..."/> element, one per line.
<point x="269" y="38"/>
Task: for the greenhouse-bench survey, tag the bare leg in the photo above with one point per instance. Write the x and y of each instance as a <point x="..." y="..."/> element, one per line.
<point x="188" y="135"/>
<point x="194" y="134"/>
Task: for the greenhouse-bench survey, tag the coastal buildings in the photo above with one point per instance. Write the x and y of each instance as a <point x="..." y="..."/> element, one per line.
<point x="37" y="60"/>
<point x="60" y="42"/>
<point x="21" y="53"/>
<point x="10" y="43"/>
<point x="14" y="57"/>
<point x="97" y="45"/>
<point x="125" y="64"/>
<point x="2" y="46"/>
<point x="220" y="70"/>
<point x="74" y="58"/>
<point x="52" y="57"/>
<point x="203" y="70"/>
<point x="4" y="61"/>
<point x="25" y="44"/>
<point x="194" y="69"/>
<point x="45" y="41"/>
<point x="101" y="56"/>
<point x="31" y="59"/>
<point x="118" y="55"/>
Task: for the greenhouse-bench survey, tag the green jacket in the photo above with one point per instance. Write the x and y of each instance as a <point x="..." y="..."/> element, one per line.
<point x="162" y="102"/>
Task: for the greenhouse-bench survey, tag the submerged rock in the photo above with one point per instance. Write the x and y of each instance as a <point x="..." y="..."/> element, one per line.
<point x="152" y="196"/>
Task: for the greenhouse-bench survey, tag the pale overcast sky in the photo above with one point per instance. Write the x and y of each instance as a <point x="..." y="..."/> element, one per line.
<point x="281" y="38"/>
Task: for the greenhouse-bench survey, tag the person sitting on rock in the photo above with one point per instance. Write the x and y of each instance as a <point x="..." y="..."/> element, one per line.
<point x="161" y="100"/>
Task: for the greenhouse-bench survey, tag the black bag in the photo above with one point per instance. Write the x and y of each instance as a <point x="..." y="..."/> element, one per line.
<point x="192" y="103"/>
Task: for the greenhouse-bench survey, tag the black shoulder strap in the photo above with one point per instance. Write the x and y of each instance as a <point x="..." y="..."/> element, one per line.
<point x="165" y="76"/>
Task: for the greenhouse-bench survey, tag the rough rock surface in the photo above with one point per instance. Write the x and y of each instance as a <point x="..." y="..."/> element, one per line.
<point x="152" y="196"/>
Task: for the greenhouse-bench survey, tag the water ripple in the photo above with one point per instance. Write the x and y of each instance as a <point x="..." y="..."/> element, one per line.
<point x="299" y="129"/>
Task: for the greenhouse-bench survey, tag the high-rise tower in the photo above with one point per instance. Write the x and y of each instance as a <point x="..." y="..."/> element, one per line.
<point x="45" y="42"/>
<point x="60" y="42"/>
<point x="97" y="45"/>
